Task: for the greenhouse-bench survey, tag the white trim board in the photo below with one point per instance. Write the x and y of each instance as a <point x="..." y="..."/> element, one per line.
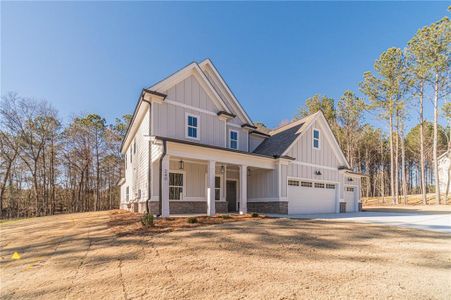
<point x="312" y="180"/>
<point x="301" y="163"/>
<point x="176" y="103"/>
<point x="227" y="89"/>
<point x="195" y="70"/>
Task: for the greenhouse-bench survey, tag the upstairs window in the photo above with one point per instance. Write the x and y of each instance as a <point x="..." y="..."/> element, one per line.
<point x="316" y="143"/>
<point x="127" y="194"/>
<point x="233" y="139"/>
<point x="131" y="155"/>
<point x="192" y="127"/>
<point x="134" y="146"/>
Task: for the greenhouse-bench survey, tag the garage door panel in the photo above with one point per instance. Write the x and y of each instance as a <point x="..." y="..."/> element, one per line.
<point x="311" y="197"/>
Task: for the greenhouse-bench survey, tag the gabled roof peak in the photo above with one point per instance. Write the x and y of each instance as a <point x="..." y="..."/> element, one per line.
<point x="294" y="123"/>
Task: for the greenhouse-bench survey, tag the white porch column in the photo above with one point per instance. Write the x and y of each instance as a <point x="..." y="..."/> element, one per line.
<point x="243" y="189"/>
<point x="165" y="187"/>
<point x="211" y="188"/>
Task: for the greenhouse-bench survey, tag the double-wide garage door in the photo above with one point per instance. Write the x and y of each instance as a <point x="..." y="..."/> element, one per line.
<point x="309" y="197"/>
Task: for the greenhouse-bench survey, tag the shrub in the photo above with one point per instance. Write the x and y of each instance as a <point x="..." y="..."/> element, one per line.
<point x="254" y="215"/>
<point x="192" y="220"/>
<point x="147" y="220"/>
<point x="225" y="216"/>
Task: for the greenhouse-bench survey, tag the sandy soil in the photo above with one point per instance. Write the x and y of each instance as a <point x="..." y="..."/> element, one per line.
<point x="88" y="256"/>
<point x="411" y="200"/>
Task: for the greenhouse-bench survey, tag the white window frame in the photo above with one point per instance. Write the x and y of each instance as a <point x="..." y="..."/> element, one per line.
<point x="219" y="188"/>
<point x="318" y="139"/>
<point x="237" y="139"/>
<point x="187" y="115"/>
<point x="182" y="197"/>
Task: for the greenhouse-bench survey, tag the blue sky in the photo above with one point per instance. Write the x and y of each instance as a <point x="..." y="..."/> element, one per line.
<point x="96" y="57"/>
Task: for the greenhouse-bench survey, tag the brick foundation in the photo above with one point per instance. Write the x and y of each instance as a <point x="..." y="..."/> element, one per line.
<point x="182" y="207"/>
<point x="275" y="207"/>
<point x="195" y="207"/>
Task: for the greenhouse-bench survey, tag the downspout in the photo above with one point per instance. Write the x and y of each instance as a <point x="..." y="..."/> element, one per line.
<point x="161" y="177"/>
<point x="150" y="159"/>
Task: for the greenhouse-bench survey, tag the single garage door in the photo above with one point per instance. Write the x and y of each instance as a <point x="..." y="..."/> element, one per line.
<point x="308" y="197"/>
<point x="350" y="198"/>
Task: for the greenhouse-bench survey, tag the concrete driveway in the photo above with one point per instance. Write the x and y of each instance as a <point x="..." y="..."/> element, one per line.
<point x="427" y="220"/>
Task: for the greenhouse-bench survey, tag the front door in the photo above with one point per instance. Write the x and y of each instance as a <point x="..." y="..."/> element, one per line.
<point x="231" y="195"/>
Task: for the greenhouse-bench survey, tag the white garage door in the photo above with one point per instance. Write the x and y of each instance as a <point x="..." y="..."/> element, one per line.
<point x="350" y="198"/>
<point x="307" y="197"/>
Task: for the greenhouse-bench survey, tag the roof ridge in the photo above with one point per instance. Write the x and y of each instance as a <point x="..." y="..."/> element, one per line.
<point x="292" y="124"/>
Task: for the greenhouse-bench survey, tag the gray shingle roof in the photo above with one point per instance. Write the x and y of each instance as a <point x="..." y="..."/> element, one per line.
<point x="279" y="142"/>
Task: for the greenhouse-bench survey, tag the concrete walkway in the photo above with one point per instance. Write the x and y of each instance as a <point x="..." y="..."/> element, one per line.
<point x="439" y="221"/>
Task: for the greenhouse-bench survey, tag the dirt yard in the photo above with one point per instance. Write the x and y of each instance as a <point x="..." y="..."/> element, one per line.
<point x="87" y="256"/>
<point x="412" y="200"/>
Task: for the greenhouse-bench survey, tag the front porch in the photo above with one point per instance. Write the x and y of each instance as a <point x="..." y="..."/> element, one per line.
<point x="202" y="187"/>
<point x="198" y="180"/>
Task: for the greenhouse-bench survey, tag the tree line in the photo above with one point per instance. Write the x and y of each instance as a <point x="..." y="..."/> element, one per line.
<point x="402" y="83"/>
<point x="48" y="167"/>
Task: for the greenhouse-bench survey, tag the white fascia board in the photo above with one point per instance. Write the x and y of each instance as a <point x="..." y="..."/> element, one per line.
<point x="138" y="117"/>
<point x="330" y="137"/>
<point x="191" y="69"/>
<point x="303" y="130"/>
<point x="226" y="87"/>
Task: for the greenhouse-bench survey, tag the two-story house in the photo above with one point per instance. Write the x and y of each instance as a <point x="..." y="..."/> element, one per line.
<point x="192" y="148"/>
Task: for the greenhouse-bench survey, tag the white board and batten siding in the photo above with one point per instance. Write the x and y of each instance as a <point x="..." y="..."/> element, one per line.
<point x="255" y="141"/>
<point x="313" y="193"/>
<point x="242" y="136"/>
<point x="137" y="165"/>
<point x="188" y="97"/>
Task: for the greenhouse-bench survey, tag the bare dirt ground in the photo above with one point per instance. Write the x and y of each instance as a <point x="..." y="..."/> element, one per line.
<point x="412" y="200"/>
<point x="95" y="256"/>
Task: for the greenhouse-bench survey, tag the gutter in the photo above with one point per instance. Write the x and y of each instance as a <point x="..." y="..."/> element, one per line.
<point x="150" y="160"/>
<point x="160" y="200"/>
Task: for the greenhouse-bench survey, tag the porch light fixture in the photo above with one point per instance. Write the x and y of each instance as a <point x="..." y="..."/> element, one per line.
<point x="181" y="165"/>
<point x="317" y="172"/>
<point x="222" y="169"/>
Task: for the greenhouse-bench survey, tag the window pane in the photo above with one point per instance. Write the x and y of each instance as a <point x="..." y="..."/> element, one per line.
<point x="316" y="134"/>
<point x="233" y="135"/>
<point x="316" y="143"/>
<point x="190" y="121"/>
<point x="217" y="182"/>
<point x="233" y="144"/>
<point x="194" y="122"/>
<point x="178" y="179"/>
<point x="194" y="132"/>
<point x="217" y="194"/>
